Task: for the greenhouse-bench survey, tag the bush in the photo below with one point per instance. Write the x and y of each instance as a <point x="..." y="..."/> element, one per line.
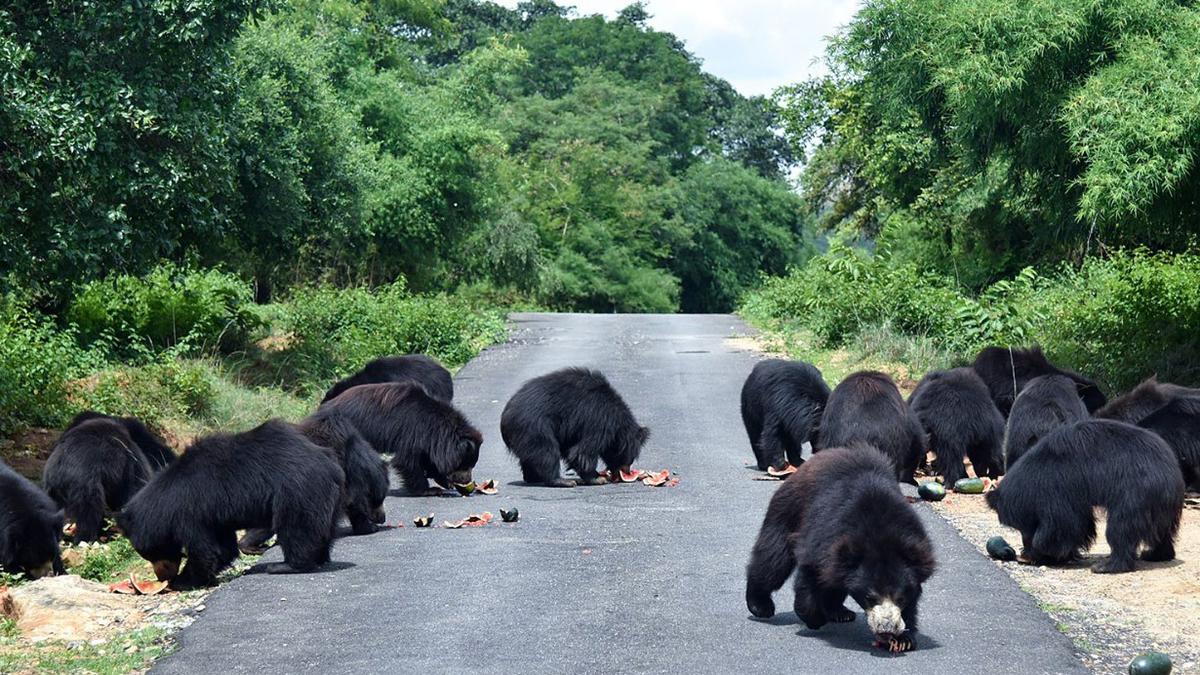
<point x="334" y="331"/>
<point x="1124" y="318"/>
<point x="37" y="365"/>
<point x="1118" y="319"/>
<point x="169" y="388"/>
<point x="197" y="309"/>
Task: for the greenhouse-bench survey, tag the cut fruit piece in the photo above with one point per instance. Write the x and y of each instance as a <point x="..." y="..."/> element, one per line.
<point x="149" y="587"/>
<point x="423" y="521"/>
<point x="124" y="587"/>
<point x="473" y="520"/>
<point x="465" y="489"/>
<point x="487" y="487"/>
<point x="787" y="470"/>
<point x="657" y="479"/>
<point x="510" y="516"/>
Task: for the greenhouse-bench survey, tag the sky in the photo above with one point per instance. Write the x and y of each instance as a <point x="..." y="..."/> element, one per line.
<point x="757" y="45"/>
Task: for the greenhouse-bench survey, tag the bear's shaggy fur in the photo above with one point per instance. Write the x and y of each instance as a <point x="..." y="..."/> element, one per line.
<point x="268" y="477"/>
<point x="411" y="368"/>
<point x="867" y="408"/>
<point x="1045" y="404"/>
<point x="1178" y="423"/>
<point x="30" y="526"/>
<point x="1006" y="371"/>
<point x="426" y="436"/>
<point x="1051" y="493"/>
<point x="782" y="402"/>
<point x="843" y="526"/>
<point x="1143" y="399"/>
<point x="960" y="419"/>
<point x="573" y="415"/>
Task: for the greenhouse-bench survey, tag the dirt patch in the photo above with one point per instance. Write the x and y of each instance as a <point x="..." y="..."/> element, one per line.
<point x="1110" y="617"/>
<point x="28" y="451"/>
<point x="754" y="343"/>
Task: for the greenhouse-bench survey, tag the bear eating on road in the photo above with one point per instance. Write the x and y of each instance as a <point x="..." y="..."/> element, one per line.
<point x="30" y="525"/>
<point x="97" y="465"/>
<point x="1045" y="404"/>
<point x="843" y="526"/>
<point x="411" y="368"/>
<point x="1050" y="495"/>
<point x="268" y="477"/>
<point x="574" y="415"/>
<point x="866" y="407"/>
<point x="427" y="437"/>
<point x="782" y="402"/>
<point x="960" y="419"/>
<point x="1006" y="371"/>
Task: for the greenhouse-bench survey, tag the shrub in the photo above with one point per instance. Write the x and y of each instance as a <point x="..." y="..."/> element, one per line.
<point x="197" y="309"/>
<point x="334" y="331"/>
<point x="168" y="388"/>
<point x="37" y="365"/>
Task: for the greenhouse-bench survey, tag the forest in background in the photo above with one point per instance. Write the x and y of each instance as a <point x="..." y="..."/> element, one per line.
<point x="580" y="163"/>
<point x="1003" y="172"/>
<point x="210" y="209"/>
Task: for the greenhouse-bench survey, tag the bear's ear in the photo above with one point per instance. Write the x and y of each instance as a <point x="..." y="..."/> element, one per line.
<point x="992" y="497"/>
<point x="643" y="435"/>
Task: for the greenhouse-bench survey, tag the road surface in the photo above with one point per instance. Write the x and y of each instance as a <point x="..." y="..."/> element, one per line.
<point x="619" y="578"/>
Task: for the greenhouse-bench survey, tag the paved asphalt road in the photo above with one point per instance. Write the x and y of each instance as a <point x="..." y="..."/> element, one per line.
<point x="619" y="578"/>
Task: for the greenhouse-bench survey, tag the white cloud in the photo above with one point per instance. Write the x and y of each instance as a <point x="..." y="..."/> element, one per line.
<point x="757" y="45"/>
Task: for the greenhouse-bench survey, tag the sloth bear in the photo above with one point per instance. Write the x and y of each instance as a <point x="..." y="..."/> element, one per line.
<point x="1046" y="403"/>
<point x="97" y="465"/>
<point x="1144" y="399"/>
<point x="574" y="415"/>
<point x="427" y="437"/>
<point x="842" y="524"/>
<point x="30" y="525"/>
<point x="866" y="407"/>
<point x="268" y="477"/>
<point x="411" y="368"/>
<point x="1178" y="423"/>
<point x="782" y="402"/>
<point x="1050" y="495"/>
<point x="1006" y="371"/>
<point x="366" y="475"/>
<point x="959" y="418"/>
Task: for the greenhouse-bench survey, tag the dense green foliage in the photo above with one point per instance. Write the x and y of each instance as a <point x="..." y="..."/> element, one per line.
<point x="1119" y="319"/>
<point x="584" y="163"/>
<point x="980" y="136"/>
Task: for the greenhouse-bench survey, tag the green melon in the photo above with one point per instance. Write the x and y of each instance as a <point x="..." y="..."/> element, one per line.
<point x="1000" y="549"/>
<point x="932" y="491"/>
<point x="1150" y="663"/>
<point x="969" y="486"/>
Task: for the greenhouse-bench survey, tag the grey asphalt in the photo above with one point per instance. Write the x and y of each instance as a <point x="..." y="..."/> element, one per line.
<point x="619" y="578"/>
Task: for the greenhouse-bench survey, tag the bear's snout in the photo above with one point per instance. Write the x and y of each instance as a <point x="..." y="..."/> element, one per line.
<point x="885" y="619"/>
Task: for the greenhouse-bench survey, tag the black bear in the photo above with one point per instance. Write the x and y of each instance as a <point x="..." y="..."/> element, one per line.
<point x="1046" y="403"/>
<point x="411" y="368"/>
<point x="1178" y="423"/>
<point x="842" y="524"/>
<point x="782" y="402"/>
<point x="1131" y="473"/>
<point x="866" y="407"/>
<point x="97" y="465"/>
<point x="1144" y="399"/>
<point x="366" y="475"/>
<point x="1006" y="371"/>
<point x="574" y="415"/>
<point x="960" y="419"/>
<point x="268" y="477"/>
<point x="426" y="436"/>
<point x="30" y="525"/>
